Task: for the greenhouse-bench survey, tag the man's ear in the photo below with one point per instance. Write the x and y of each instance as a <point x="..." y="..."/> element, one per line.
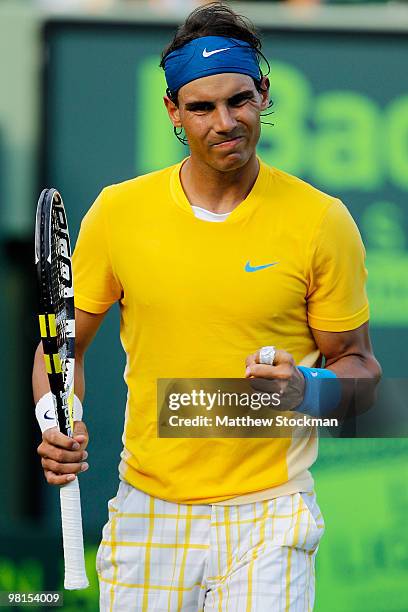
<point x="265" y="93"/>
<point x="173" y="111"/>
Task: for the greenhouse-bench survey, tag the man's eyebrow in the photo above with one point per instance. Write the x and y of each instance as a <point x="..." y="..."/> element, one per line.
<point x="197" y="103"/>
<point x="248" y="93"/>
<point x="193" y="104"/>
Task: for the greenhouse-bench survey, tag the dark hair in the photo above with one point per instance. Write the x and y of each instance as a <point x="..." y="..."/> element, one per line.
<point x="214" y="19"/>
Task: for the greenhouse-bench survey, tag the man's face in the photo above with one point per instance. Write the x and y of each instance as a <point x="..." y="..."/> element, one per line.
<point x="220" y="115"/>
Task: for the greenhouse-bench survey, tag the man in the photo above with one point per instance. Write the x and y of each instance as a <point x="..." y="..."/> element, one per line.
<point x="212" y="260"/>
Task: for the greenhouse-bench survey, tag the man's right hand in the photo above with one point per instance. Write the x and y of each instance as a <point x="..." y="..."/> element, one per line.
<point x="61" y="456"/>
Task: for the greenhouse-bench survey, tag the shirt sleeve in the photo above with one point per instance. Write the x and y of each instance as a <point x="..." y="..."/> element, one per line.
<point x="337" y="298"/>
<point x="96" y="287"/>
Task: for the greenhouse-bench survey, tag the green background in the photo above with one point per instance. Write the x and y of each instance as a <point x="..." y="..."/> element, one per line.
<point x="341" y="122"/>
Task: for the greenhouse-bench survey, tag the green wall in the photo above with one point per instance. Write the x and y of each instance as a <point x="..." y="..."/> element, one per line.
<point x="341" y="122"/>
<point x="335" y="126"/>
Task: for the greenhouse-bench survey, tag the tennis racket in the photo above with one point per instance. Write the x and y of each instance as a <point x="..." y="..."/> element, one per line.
<point x="57" y="327"/>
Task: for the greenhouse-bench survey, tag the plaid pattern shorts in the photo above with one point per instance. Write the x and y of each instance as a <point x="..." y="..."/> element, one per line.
<point x="161" y="556"/>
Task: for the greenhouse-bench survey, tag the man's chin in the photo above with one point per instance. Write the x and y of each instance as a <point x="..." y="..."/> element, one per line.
<point x="229" y="162"/>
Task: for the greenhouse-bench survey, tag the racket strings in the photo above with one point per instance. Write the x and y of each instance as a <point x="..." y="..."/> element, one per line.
<point x="57" y="289"/>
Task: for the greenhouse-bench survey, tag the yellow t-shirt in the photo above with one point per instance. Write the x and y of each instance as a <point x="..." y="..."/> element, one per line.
<point x="189" y="309"/>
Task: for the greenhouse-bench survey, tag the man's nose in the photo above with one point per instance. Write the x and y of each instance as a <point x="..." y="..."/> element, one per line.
<point x="224" y="120"/>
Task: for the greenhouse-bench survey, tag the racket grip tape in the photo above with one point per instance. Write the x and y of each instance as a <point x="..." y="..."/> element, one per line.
<point x="75" y="573"/>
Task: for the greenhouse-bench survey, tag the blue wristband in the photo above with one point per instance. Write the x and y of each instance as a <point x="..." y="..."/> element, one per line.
<point x="321" y="398"/>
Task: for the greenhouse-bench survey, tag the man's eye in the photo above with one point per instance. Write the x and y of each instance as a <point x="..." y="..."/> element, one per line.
<point x="200" y="108"/>
<point x="240" y="101"/>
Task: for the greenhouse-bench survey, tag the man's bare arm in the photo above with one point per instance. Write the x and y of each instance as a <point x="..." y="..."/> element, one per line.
<point x="349" y="354"/>
<point x="62" y="457"/>
<point x="86" y="326"/>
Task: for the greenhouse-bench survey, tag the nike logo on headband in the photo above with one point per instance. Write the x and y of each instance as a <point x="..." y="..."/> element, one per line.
<point x="209" y="53"/>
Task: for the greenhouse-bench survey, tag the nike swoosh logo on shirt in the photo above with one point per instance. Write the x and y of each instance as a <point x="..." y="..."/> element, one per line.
<point x="249" y="268"/>
<point x="208" y="53"/>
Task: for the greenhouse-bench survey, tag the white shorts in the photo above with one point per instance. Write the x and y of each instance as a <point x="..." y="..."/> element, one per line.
<point x="160" y="556"/>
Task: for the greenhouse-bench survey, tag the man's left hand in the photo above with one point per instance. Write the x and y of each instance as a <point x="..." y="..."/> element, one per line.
<point x="282" y="377"/>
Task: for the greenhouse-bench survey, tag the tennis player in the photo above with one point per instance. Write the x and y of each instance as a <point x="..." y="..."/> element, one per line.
<point x="212" y="261"/>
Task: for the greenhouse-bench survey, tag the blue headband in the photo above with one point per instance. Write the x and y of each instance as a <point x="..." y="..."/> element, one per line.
<point x="209" y="55"/>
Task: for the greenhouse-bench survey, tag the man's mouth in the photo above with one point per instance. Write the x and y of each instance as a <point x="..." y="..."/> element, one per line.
<point x="228" y="143"/>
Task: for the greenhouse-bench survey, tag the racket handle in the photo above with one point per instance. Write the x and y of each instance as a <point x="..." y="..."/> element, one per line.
<point x="75" y="574"/>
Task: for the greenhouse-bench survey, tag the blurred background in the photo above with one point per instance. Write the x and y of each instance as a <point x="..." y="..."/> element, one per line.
<point x="80" y="108"/>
